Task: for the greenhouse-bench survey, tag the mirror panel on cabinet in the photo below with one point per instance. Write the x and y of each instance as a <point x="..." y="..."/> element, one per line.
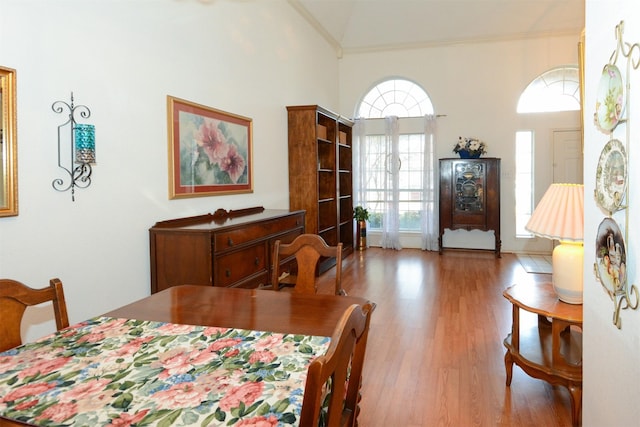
<point x="8" y="144"/>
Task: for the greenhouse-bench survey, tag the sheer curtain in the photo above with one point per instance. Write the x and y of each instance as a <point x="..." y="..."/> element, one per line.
<point x="429" y="219"/>
<point x="381" y="173"/>
<point x="359" y="162"/>
<point x="391" y="192"/>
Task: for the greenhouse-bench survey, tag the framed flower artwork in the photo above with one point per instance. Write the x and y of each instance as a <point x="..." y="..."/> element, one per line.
<point x="210" y="151"/>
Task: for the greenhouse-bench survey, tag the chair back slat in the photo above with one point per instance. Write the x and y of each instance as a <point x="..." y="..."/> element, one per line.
<point x="15" y="297"/>
<point x="307" y="249"/>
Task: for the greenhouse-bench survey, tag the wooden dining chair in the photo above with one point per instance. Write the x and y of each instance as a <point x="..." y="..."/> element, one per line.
<point x="336" y="376"/>
<point x="15" y="297"/>
<point x="307" y="249"/>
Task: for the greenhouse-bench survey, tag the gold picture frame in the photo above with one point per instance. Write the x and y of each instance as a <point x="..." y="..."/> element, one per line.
<point x="210" y="151"/>
<point x="8" y="144"/>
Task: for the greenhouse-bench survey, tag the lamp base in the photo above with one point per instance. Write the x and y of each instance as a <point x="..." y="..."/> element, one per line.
<point x="568" y="268"/>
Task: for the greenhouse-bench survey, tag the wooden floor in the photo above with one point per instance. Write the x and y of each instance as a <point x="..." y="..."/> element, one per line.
<point x="435" y="355"/>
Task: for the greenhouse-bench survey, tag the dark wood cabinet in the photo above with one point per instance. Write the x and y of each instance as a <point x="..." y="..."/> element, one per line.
<point x="231" y="249"/>
<point x="470" y="196"/>
<point x="320" y="174"/>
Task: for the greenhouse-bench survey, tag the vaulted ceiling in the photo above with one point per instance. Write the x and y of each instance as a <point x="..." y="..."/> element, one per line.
<point x="368" y="25"/>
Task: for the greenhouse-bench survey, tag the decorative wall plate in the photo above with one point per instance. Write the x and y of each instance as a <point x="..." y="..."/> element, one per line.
<point x="611" y="99"/>
<point x="611" y="176"/>
<point x="611" y="257"/>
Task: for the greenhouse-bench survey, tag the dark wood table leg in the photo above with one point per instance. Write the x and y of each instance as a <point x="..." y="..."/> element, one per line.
<point x="508" y="365"/>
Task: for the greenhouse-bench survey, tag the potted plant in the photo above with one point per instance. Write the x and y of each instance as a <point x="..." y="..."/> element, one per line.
<point x="361" y="215"/>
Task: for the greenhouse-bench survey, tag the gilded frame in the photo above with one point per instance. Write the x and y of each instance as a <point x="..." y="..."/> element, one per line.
<point x="8" y="144"/>
<point x="210" y="151"/>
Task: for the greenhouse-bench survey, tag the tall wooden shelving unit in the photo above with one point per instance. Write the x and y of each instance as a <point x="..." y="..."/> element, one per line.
<point x="320" y="174"/>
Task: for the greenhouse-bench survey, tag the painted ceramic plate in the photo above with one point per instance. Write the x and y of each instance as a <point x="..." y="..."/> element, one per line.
<point x="611" y="176"/>
<point x="611" y="257"/>
<point x="611" y="99"/>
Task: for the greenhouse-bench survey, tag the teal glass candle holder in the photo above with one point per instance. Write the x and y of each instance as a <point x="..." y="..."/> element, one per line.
<point x="85" y="142"/>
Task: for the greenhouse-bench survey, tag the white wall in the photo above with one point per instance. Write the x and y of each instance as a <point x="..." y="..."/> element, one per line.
<point x="121" y="59"/>
<point x="477" y="86"/>
<point x="611" y="355"/>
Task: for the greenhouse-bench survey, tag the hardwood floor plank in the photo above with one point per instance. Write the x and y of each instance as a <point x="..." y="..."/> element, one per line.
<point x="435" y="355"/>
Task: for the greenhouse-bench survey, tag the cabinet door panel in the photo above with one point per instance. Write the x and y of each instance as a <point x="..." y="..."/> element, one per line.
<point x="181" y="258"/>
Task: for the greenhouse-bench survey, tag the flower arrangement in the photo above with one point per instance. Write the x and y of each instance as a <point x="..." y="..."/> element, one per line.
<point x="473" y="147"/>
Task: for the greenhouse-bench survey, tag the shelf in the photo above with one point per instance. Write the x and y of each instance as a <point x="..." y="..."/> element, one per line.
<point x="346" y="209"/>
<point x="551" y="349"/>
<point x="537" y="350"/>
<point x="320" y="172"/>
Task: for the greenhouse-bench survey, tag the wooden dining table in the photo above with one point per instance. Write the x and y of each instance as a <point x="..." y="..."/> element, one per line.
<point x="204" y="317"/>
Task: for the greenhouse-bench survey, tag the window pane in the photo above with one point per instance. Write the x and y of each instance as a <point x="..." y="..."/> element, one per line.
<point x="410" y="179"/>
<point x="555" y="90"/>
<point x="395" y="97"/>
<point x="524" y="181"/>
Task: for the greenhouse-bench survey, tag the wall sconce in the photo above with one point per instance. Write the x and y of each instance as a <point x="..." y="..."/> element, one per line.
<point x="82" y="147"/>
<point x="560" y="216"/>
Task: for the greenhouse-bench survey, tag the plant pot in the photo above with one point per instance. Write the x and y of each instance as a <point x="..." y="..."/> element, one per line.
<point x="467" y="155"/>
<point x="361" y="236"/>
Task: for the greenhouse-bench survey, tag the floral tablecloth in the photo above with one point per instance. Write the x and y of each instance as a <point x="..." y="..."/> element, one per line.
<point x="125" y="372"/>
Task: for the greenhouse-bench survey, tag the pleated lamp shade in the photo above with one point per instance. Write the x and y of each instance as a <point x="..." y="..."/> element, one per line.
<point x="560" y="213"/>
<point x="560" y="216"/>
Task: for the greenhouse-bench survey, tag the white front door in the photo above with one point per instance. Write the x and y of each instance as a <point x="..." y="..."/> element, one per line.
<point x="567" y="156"/>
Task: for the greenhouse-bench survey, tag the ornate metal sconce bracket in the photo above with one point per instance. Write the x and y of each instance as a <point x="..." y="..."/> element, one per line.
<point x="81" y="147"/>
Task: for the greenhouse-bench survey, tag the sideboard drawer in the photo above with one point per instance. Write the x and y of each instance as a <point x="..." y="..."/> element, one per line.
<point x="234" y="266"/>
<point x="233" y="238"/>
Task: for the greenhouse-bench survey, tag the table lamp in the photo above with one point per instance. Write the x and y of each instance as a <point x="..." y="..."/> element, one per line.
<point x="560" y="216"/>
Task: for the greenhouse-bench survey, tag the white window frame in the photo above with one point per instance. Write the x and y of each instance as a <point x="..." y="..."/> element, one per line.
<point x="410" y="103"/>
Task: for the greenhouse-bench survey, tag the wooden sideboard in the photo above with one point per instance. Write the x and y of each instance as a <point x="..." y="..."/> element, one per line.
<point x="230" y="249"/>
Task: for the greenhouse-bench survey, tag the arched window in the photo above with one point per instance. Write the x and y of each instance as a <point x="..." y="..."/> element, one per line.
<point x="395" y="97"/>
<point x="555" y="90"/>
<point x="410" y="103"/>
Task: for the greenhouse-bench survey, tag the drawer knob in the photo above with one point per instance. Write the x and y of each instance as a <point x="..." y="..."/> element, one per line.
<point x="257" y="261"/>
<point x="227" y="273"/>
<point x="229" y="241"/>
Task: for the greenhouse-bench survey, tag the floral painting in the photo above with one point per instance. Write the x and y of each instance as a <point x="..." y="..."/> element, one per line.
<point x="210" y="150"/>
